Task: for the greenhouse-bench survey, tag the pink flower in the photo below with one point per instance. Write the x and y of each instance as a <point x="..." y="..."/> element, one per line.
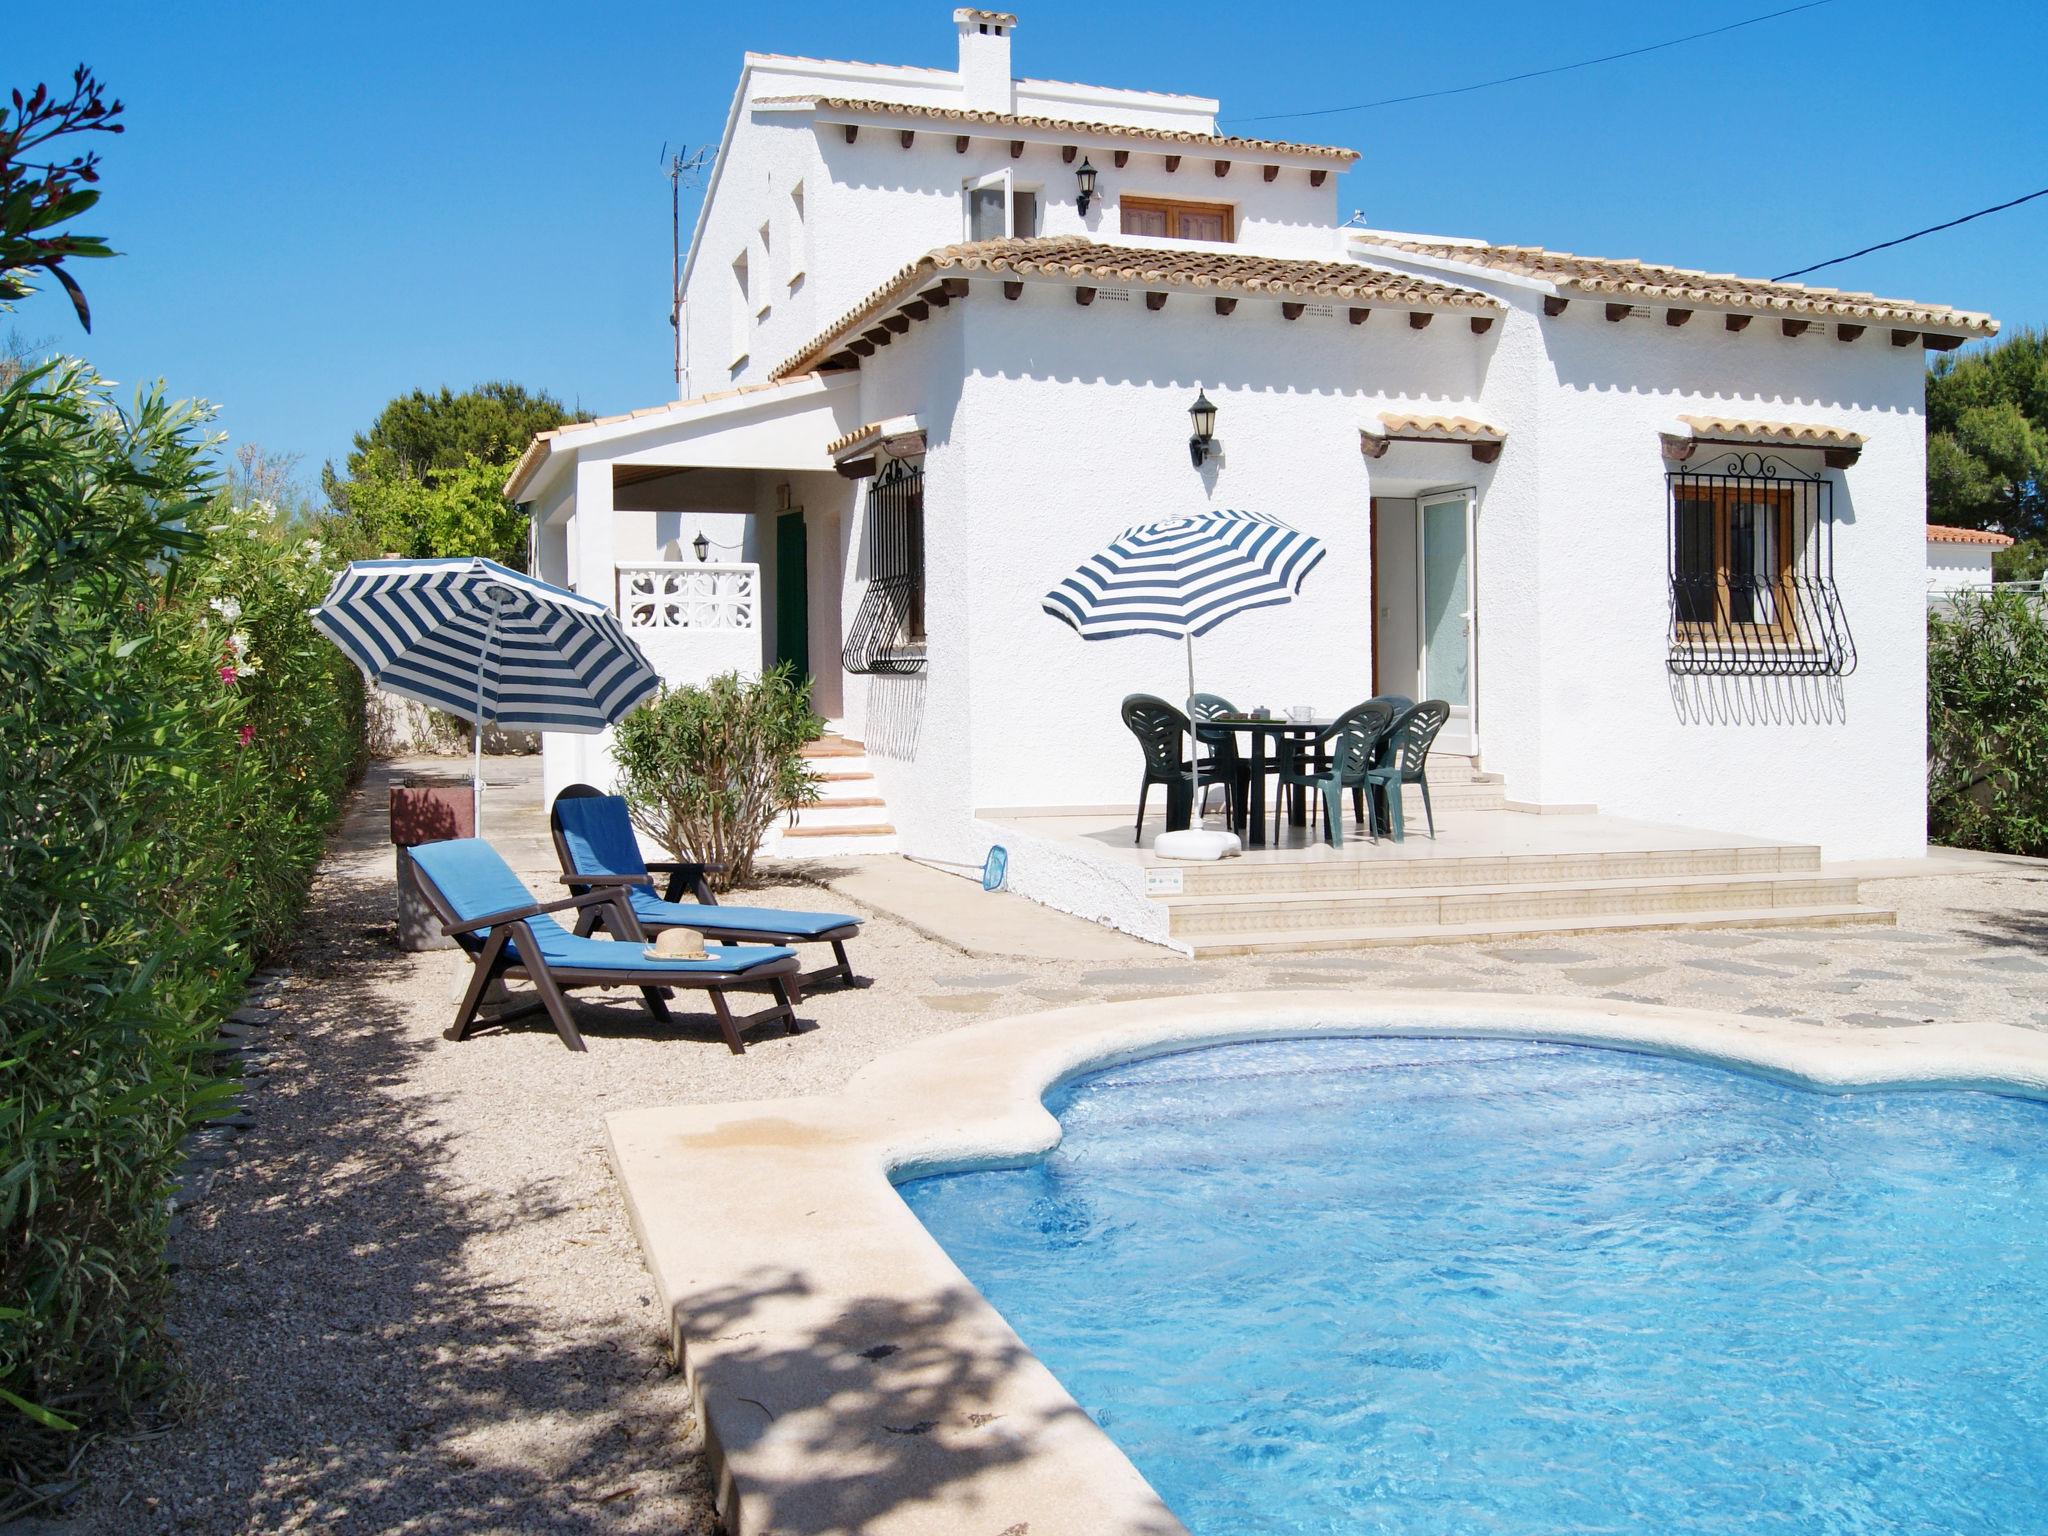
<point x="247" y="733"/>
<point x="227" y="675"/>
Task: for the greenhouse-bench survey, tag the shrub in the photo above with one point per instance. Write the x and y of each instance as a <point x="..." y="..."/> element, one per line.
<point x="707" y="770"/>
<point x="1987" y="723"/>
<point x="178" y="741"/>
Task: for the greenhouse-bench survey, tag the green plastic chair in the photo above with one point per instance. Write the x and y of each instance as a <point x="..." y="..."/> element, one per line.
<point x="1376" y="716"/>
<point x="1405" y="760"/>
<point x="1350" y="759"/>
<point x="1160" y="730"/>
<point x="1224" y="765"/>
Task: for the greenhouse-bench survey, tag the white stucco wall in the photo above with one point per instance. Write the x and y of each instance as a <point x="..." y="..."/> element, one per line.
<point x="1954" y="568"/>
<point x="1833" y="761"/>
<point x="870" y="206"/>
<point x="1070" y="423"/>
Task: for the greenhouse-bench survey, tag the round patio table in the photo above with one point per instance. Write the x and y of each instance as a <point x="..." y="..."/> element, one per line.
<point x="1260" y="761"/>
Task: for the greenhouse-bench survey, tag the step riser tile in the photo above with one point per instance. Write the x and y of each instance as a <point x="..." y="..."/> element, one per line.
<point x="1499" y="906"/>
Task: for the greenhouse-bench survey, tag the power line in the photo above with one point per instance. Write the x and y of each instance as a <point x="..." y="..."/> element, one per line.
<point x="1885" y="245"/>
<point x="1537" y="74"/>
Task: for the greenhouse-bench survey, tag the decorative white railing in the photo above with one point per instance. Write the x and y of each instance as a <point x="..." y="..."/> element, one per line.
<point x="688" y="595"/>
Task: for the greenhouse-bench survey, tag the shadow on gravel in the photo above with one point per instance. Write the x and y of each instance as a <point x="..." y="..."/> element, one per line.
<point x="339" y="1356"/>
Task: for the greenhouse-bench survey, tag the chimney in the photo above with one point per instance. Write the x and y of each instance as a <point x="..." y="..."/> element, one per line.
<point x="985" y="60"/>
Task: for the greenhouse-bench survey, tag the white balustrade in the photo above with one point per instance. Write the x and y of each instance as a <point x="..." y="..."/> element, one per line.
<point x="684" y="594"/>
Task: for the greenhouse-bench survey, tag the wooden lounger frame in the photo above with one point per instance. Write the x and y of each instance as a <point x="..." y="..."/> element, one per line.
<point x="493" y="961"/>
<point x="686" y="878"/>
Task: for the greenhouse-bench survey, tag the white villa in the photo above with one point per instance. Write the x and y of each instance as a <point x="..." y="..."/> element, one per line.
<point x="1959" y="560"/>
<point x="1650" y="531"/>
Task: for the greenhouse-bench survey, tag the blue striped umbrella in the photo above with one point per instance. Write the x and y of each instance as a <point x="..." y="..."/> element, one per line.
<point x="1183" y="576"/>
<point x="487" y="643"/>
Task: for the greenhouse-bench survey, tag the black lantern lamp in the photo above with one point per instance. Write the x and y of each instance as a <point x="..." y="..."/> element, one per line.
<point x="702" y="545"/>
<point x="1085" y="175"/>
<point x="1203" y="414"/>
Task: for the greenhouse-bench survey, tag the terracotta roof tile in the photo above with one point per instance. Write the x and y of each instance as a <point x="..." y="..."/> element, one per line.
<point x="968" y="117"/>
<point x="1938" y="533"/>
<point x="1650" y="282"/>
<point x="1072" y="258"/>
<point x="840" y="444"/>
<point x="1445" y="429"/>
<point x="1772" y="434"/>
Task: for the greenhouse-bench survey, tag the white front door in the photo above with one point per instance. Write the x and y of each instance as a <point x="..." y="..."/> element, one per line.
<point x="1444" y="612"/>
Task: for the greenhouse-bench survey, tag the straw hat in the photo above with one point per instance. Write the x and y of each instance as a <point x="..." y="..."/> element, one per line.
<point x="679" y="944"/>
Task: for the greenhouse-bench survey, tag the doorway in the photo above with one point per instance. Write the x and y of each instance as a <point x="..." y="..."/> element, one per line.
<point x="792" y="594"/>
<point x="1424" y="606"/>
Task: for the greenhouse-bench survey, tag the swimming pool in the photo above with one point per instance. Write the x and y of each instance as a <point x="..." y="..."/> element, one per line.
<point x="1435" y="1286"/>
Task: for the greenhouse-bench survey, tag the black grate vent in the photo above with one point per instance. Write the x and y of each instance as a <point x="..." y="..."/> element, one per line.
<point x="887" y="634"/>
<point x="1752" y="566"/>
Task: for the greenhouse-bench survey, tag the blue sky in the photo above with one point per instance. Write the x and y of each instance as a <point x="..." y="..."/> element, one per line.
<point x="322" y="205"/>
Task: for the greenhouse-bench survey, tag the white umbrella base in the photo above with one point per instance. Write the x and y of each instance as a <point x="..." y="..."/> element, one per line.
<point x="1195" y="843"/>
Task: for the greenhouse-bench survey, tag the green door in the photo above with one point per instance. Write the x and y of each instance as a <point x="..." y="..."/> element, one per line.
<point x="792" y="598"/>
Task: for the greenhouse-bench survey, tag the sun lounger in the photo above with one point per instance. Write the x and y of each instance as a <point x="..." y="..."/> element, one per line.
<point x="491" y="914"/>
<point x="595" y="841"/>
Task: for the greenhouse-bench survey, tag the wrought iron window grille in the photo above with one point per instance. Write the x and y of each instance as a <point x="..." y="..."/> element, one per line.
<point x="887" y="633"/>
<point x="1751" y="551"/>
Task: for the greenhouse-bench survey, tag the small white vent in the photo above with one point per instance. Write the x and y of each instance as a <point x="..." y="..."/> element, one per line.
<point x="1116" y="295"/>
<point x="1321" y="311"/>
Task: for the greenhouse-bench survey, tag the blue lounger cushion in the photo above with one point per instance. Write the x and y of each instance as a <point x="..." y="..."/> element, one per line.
<point x="598" y="832"/>
<point x="474" y="880"/>
<point x="564" y="951"/>
<point x="653" y="912"/>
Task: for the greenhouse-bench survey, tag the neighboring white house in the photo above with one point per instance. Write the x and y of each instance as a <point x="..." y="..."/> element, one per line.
<point x="1649" y="530"/>
<point x="1959" y="560"/>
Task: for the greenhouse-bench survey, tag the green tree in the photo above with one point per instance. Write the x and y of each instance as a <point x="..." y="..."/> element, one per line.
<point x="425" y="479"/>
<point x="41" y="188"/>
<point x="1987" y="446"/>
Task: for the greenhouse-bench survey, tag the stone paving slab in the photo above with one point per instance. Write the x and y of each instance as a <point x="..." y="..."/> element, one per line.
<point x="1734" y="967"/>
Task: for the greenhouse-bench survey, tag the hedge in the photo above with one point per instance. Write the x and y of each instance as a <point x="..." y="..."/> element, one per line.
<point x="178" y="743"/>
<point x="1987" y="722"/>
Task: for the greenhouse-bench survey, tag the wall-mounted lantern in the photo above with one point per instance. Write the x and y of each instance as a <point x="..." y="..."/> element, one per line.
<point x="1085" y="175"/>
<point x="702" y="545"/>
<point x="1203" y="415"/>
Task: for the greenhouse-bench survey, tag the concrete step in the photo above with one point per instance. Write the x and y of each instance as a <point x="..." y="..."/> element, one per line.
<point x="1206" y="916"/>
<point x="1314" y="870"/>
<point x="859" y="811"/>
<point x="839" y="829"/>
<point x="833" y="746"/>
<point x="1283" y="941"/>
<point x="844" y="776"/>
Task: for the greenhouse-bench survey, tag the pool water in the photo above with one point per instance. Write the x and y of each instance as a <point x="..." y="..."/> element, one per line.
<point x="1456" y="1286"/>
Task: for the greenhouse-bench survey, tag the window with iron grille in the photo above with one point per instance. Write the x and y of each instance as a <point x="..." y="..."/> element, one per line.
<point x="887" y="634"/>
<point x="1752" y="568"/>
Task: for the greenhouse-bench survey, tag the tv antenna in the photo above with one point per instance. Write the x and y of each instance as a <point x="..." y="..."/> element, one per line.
<point x="684" y="165"/>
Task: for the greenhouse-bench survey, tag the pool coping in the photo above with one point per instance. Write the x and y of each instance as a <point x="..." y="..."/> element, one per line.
<point x="849" y="1378"/>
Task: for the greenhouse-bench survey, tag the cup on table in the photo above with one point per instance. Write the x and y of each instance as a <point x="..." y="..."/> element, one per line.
<point x="1301" y="714"/>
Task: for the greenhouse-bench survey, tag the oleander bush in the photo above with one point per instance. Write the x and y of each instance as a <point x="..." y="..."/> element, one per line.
<point x="1987" y="723"/>
<point x="707" y="770"/>
<point x="178" y="742"/>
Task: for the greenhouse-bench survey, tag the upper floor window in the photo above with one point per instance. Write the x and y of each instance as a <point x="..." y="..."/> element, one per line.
<point x="1177" y="221"/>
<point x="997" y="208"/>
<point x="739" y="274"/>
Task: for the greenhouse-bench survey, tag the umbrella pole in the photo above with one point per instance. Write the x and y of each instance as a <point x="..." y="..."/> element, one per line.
<point x="476" y="751"/>
<point x="1195" y="818"/>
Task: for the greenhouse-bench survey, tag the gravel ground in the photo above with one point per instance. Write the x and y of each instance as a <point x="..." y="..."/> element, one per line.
<point x="411" y="1300"/>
